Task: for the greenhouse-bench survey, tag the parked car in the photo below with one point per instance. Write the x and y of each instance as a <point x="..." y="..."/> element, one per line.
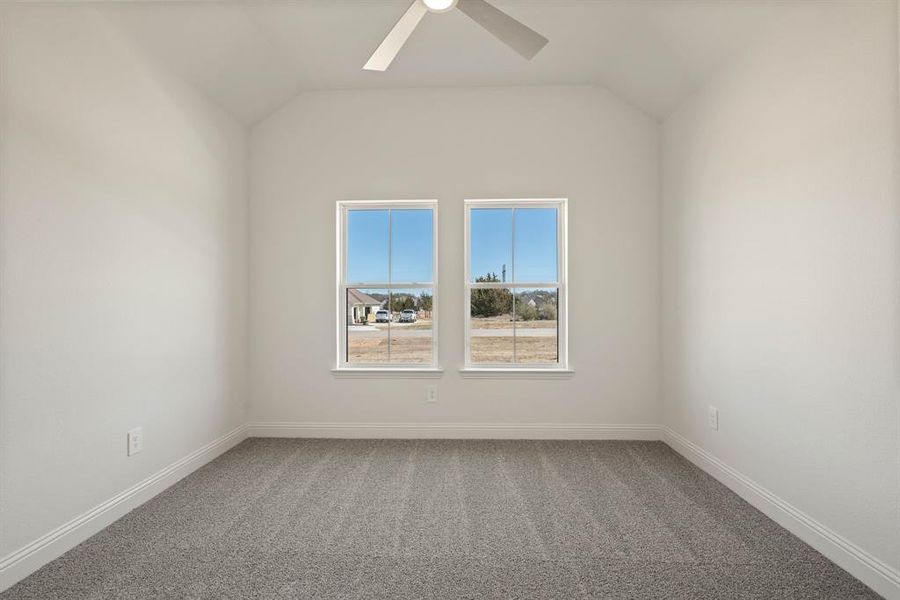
<point x="382" y="316"/>
<point x="408" y="316"/>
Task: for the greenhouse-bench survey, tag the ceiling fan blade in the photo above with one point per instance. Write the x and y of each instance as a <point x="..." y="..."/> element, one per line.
<point x="519" y="37"/>
<point x="385" y="53"/>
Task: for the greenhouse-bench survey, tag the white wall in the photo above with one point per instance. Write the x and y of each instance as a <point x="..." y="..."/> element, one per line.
<point x="451" y="144"/>
<point x="123" y="266"/>
<point x="781" y="262"/>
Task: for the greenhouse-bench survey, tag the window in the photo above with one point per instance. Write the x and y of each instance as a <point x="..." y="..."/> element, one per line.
<point x="515" y="298"/>
<point x="387" y="282"/>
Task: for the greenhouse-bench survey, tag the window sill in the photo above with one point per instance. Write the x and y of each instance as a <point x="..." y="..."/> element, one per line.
<point x="387" y="372"/>
<point x="517" y="373"/>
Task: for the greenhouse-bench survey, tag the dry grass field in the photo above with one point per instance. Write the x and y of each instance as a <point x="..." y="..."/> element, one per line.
<point x="372" y="348"/>
<point x="535" y="343"/>
<point x="529" y="350"/>
<point x="413" y="351"/>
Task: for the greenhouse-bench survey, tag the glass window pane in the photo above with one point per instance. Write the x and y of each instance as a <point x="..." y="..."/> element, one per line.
<point x="491" y="327"/>
<point x="490" y="241"/>
<point x="411" y="329"/>
<point x="412" y="245"/>
<point x="537" y="332"/>
<point x="535" y="247"/>
<point x="367" y="246"/>
<point x="368" y="322"/>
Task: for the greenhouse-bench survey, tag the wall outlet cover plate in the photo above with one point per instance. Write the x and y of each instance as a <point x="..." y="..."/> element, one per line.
<point x="713" y="418"/>
<point x="135" y="441"/>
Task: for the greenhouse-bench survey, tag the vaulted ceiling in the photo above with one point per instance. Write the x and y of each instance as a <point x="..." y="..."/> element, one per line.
<point x="252" y="57"/>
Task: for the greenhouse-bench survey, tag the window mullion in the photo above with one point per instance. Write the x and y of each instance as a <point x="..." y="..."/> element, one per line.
<point x="512" y="291"/>
<point x="512" y="251"/>
<point x="343" y="352"/>
<point x="390" y="306"/>
<point x="344" y="332"/>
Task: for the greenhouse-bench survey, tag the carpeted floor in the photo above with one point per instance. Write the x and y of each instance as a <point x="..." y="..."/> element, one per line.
<point x="323" y="519"/>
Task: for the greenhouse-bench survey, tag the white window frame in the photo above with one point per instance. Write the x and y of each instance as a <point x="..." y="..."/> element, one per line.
<point x="562" y="364"/>
<point x="342" y="366"/>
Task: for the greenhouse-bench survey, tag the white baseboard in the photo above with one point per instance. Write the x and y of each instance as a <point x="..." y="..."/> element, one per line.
<point x="876" y="574"/>
<point x="529" y="431"/>
<point x="19" y="564"/>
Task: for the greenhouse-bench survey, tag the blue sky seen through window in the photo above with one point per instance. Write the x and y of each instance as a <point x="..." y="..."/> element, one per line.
<point x="412" y="245"/>
<point x="367" y="245"/>
<point x="410" y="232"/>
<point x="491" y="243"/>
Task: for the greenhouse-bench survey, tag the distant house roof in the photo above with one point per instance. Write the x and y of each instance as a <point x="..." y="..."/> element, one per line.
<point x="357" y="297"/>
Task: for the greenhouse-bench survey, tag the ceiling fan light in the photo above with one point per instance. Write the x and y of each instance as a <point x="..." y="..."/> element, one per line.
<point x="439" y="5"/>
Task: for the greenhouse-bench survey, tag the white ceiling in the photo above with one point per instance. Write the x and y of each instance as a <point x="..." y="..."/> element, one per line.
<point x="251" y="57"/>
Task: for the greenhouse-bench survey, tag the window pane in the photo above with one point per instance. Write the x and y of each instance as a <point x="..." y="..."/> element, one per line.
<point x="491" y="327"/>
<point x="367" y="246"/>
<point x="411" y="245"/>
<point x="490" y="240"/>
<point x="368" y="322"/>
<point x="537" y="337"/>
<point x="411" y="330"/>
<point x="535" y="248"/>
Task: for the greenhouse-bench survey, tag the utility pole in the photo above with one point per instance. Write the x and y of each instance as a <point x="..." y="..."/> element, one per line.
<point x="504" y="273"/>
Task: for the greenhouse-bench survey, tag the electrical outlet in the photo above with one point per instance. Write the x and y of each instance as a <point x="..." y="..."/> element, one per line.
<point x="712" y="417"/>
<point x="431" y="393"/>
<point x="135" y="441"/>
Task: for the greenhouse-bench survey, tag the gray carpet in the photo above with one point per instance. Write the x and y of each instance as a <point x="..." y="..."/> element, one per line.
<point x="322" y="519"/>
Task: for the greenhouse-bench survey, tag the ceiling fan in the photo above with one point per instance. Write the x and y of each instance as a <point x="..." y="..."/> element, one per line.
<point x="514" y="34"/>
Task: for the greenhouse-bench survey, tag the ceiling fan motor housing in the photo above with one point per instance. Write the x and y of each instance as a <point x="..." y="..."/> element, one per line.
<point x="439" y="6"/>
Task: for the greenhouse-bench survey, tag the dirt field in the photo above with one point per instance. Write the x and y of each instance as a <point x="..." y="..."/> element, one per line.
<point x="410" y="344"/>
<point x="529" y="350"/>
<point x="536" y="342"/>
<point x="403" y="350"/>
